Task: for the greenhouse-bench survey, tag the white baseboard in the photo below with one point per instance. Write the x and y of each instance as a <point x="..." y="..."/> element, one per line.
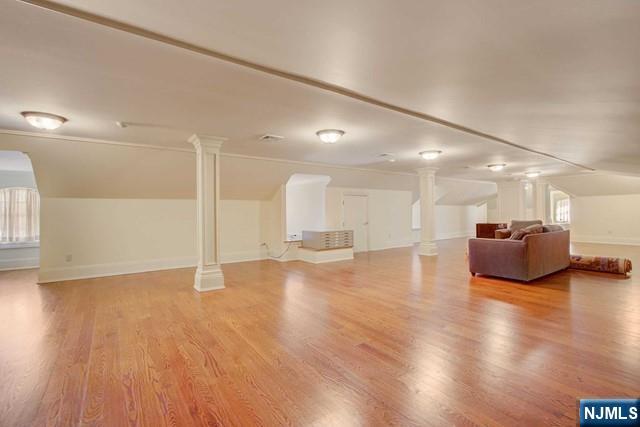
<point x="455" y="235"/>
<point x="231" y="257"/>
<point x="321" y="257"/>
<point x="607" y="240"/>
<point x="393" y="245"/>
<point x="58" y="274"/>
<point x="19" y="263"/>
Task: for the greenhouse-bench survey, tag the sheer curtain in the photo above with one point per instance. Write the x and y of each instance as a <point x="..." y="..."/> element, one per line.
<point x="19" y="215"/>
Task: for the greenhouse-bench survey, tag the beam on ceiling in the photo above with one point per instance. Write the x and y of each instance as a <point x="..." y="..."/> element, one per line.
<point x="132" y="29"/>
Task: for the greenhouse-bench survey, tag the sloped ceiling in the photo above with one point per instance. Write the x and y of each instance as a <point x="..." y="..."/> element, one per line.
<point x="69" y="168"/>
<point x="596" y="184"/>
<point x="462" y="192"/>
<point x="556" y="76"/>
<point x="97" y="75"/>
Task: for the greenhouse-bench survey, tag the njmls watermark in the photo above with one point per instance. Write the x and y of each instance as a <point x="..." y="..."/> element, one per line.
<point x="609" y="412"/>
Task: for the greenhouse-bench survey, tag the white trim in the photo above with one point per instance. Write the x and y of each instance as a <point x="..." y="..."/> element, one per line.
<point x="607" y="240"/>
<point x="324" y="165"/>
<point x="392" y="246"/>
<point x="58" y="274"/>
<point x="91" y="140"/>
<point x="19" y="245"/>
<point x="255" y="255"/>
<point x="189" y="150"/>
<point x="455" y="235"/>
<point x="19" y="263"/>
<point x="321" y="257"/>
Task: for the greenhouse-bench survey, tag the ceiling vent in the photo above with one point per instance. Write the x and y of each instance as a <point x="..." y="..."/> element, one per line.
<point x="271" y="138"/>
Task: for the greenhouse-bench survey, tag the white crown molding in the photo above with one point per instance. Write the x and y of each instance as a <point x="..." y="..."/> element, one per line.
<point x="427" y="171"/>
<point x="67" y="138"/>
<point x="324" y="165"/>
<point x="64" y="138"/>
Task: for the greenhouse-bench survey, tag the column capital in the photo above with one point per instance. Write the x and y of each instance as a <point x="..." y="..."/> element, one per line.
<point x="426" y="171"/>
<point x="206" y="142"/>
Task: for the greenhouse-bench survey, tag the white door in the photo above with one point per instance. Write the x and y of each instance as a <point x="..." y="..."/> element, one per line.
<point x="356" y="218"/>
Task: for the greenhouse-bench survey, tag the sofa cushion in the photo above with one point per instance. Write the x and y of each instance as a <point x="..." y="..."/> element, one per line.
<point x="532" y="229"/>
<point x="517" y="224"/>
<point x="552" y="227"/>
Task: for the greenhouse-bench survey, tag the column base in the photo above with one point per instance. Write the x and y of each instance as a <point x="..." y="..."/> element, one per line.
<point x="209" y="278"/>
<point x="428" y="249"/>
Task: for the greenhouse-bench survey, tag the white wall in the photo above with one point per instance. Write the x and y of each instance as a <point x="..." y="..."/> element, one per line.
<point x="606" y="219"/>
<point x="389" y="215"/>
<point x="116" y="236"/>
<point x="453" y="222"/>
<point x="458" y="221"/>
<point x="305" y="208"/>
<point x="241" y="235"/>
<point x="510" y="201"/>
<point x="12" y="257"/>
<point x="492" y="210"/>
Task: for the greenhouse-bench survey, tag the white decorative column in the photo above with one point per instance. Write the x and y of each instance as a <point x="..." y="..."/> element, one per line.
<point x="427" y="211"/>
<point x="208" y="274"/>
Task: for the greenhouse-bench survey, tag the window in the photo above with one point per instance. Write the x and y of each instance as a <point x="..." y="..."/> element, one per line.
<point x="19" y="215"/>
<point x="561" y="213"/>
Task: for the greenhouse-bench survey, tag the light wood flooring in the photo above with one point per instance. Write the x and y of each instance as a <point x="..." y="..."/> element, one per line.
<point x="390" y="338"/>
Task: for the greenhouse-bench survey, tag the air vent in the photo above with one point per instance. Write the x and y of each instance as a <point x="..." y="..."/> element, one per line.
<point x="271" y="138"/>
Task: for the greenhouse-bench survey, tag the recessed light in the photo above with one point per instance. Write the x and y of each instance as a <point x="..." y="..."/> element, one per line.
<point x="496" y="167"/>
<point x="430" y="154"/>
<point x="532" y="174"/>
<point x="43" y="120"/>
<point x="330" y="136"/>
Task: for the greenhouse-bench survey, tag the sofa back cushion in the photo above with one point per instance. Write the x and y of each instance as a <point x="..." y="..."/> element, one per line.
<point x="552" y="227"/>
<point x="517" y="224"/>
<point x="532" y="229"/>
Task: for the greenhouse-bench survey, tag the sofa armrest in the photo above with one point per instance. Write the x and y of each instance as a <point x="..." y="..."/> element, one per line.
<point x="498" y="257"/>
<point x="547" y="252"/>
<point x="503" y="233"/>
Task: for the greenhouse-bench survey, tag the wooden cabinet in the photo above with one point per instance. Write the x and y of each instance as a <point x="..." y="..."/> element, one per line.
<point x="487" y="230"/>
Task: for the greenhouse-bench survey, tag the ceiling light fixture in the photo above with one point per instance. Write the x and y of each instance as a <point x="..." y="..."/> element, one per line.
<point x="43" y="120"/>
<point x="388" y="157"/>
<point x="330" y="136"/>
<point x="496" y="167"/>
<point x="430" y="154"/>
<point x="532" y="174"/>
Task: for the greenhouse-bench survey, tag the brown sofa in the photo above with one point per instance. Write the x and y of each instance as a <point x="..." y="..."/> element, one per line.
<point x="516" y="224"/>
<point x="534" y="256"/>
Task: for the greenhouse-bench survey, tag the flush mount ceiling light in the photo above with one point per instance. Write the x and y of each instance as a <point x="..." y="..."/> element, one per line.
<point x="388" y="157"/>
<point x="496" y="167"/>
<point x="532" y="174"/>
<point x="330" y="136"/>
<point x="430" y="154"/>
<point x="43" y="120"/>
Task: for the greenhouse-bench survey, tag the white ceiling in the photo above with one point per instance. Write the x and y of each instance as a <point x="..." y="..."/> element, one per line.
<point x="560" y="77"/>
<point x="507" y="68"/>
<point x="596" y="184"/>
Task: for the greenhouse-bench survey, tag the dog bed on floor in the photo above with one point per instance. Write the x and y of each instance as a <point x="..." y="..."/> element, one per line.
<point x="601" y="263"/>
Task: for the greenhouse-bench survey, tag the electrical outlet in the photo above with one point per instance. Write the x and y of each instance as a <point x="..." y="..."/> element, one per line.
<point x="68" y="258"/>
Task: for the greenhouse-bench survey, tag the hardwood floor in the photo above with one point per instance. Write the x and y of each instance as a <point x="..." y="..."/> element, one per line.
<point x="390" y="338"/>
